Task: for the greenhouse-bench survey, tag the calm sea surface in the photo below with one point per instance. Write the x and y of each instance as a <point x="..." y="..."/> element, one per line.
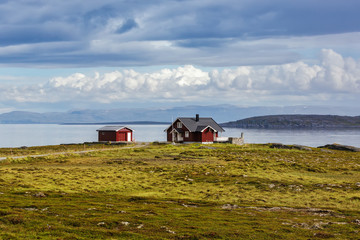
<point x="17" y="135"/>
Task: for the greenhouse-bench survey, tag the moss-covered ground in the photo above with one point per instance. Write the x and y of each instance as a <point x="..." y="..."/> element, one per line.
<point x="218" y="191"/>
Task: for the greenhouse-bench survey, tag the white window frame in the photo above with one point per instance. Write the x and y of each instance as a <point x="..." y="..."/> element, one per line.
<point x="179" y="125"/>
<point x="186" y="134"/>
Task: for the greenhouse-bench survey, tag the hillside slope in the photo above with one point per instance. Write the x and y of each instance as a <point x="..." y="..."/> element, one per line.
<point x="180" y="192"/>
<point x="296" y="122"/>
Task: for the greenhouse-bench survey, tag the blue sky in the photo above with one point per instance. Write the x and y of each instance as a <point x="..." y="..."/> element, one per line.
<point x="59" y="55"/>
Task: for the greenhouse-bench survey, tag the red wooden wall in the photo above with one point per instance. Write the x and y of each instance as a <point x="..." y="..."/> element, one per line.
<point x="207" y="135"/>
<point x="113" y="136"/>
<point x="107" y="136"/>
<point x="123" y="134"/>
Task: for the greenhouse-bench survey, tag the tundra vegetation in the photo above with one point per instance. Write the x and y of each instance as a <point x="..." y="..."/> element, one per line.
<point x="194" y="191"/>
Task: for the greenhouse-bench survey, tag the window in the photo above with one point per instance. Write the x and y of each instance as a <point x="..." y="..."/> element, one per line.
<point x="187" y="134"/>
<point x="179" y="125"/>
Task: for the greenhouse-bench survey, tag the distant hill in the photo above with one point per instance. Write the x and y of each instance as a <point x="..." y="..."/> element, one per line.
<point x="121" y="123"/>
<point x="297" y="122"/>
<point x="220" y="113"/>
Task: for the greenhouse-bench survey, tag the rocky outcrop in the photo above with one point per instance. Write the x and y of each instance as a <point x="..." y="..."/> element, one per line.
<point x="305" y="148"/>
<point x="341" y="147"/>
<point x="282" y="146"/>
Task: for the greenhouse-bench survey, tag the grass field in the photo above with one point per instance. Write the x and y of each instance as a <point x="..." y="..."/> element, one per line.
<point x="218" y="191"/>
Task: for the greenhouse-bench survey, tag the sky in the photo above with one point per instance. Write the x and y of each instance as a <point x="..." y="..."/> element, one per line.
<point x="59" y="55"/>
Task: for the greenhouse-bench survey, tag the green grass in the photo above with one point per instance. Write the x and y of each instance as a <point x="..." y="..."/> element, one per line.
<point x="38" y="150"/>
<point x="218" y="191"/>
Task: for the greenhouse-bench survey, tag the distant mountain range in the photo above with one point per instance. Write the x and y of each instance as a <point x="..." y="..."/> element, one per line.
<point x="220" y="113"/>
<point x="297" y="122"/>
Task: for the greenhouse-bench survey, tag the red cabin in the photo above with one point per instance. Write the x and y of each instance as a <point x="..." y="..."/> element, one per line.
<point x="204" y="130"/>
<point x="115" y="134"/>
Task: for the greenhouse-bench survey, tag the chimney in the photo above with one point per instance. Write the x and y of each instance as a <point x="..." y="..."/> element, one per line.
<point x="197" y="117"/>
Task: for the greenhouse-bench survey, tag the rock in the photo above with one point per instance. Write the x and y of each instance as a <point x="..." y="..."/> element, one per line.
<point x="295" y="146"/>
<point x="317" y="226"/>
<point x="279" y="146"/>
<point x="168" y="230"/>
<point x="30" y="209"/>
<point x="229" y="206"/>
<point x="336" y="146"/>
<point x="186" y="205"/>
<point x="301" y="147"/>
<point x="125" y="223"/>
<point x="39" y="194"/>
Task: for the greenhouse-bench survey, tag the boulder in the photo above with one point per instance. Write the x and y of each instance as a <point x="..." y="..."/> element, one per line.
<point x="282" y="146"/>
<point x="336" y="146"/>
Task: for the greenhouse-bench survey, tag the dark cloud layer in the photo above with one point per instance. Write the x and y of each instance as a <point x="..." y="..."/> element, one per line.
<point x="132" y="33"/>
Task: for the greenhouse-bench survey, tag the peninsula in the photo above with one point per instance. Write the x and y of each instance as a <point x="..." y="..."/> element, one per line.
<point x="297" y="122"/>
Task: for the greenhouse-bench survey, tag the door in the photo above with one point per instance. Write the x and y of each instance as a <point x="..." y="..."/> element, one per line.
<point x="176" y="137"/>
<point x="129" y="137"/>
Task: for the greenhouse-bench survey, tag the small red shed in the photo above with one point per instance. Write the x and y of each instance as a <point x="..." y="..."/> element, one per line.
<point x="115" y="134"/>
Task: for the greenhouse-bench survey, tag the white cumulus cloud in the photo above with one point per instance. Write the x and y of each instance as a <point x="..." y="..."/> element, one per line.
<point x="332" y="77"/>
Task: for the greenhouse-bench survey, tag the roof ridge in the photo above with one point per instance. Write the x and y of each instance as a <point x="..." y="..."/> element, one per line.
<point x="195" y="118"/>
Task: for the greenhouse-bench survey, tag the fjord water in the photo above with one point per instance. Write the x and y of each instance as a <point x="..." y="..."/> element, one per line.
<point x="17" y="135"/>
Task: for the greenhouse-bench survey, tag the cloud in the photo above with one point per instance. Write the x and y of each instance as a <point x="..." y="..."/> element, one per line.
<point x="129" y="85"/>
<point x="127" y="26"/>
<point x="334" y="75"/>
<point x="338" y="73"/>
<point x="333" y="78"/>
<point x="203" y="33"/>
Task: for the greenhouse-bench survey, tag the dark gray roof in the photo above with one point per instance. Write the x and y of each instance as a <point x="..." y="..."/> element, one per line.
<point x="112" y="128"/>
<point x="194" y="126"/>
